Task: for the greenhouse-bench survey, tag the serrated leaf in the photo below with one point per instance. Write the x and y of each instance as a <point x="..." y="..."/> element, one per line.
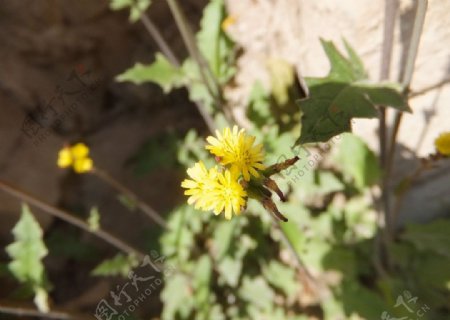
<point x="357" y="161"/>
<point x="434" y="236"/>
<point x="161" y="72"/>
<point x="27" y="252"/>
<point x="137" y="7"/>
<point x="119" y="265"/>
<point x="344" y="94"/>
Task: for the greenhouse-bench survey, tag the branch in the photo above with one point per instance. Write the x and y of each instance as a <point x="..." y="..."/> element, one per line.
<point x="406" y="81"/>
<point x="29" y="312"/>
<point x="66" y="216"/>
<point x="149" y="211"/>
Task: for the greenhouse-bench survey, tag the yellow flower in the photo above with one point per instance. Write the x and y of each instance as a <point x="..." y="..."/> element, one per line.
<point x="201" y="186"/>
<point x="235" y="148"/>
<point x="442" y="143"/>
<point x="214" y="190"/>
<point x="229" y="195"/>
<point x="77" y="157"/>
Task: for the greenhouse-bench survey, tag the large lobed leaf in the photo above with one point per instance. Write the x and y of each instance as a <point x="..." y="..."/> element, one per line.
<point x="344" y="94"/>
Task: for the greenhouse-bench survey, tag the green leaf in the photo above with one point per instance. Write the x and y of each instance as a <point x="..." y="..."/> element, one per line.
<point x="212" y="41"/>
<point x="127" y="201"/>
<point x="27" y="252"/>
<point x="119" y="265"/>
<point x="344" y="94"/>
<point x="357" y="161"/>
<point x="230" y="269"/>
<point x="177" y="297"/>
<point x="94" y="219"/>
<point x="343" y="69"/>
<point x="433" y="237"/>
<point x="137" y="7"/>
<point x="222" y="238"/>
<point x="282" y="78"/>
<point x="161" y="72"/>
<point x="257" y="292"/>
<point x="202" y="282"/>
<point x="282" y="277"/>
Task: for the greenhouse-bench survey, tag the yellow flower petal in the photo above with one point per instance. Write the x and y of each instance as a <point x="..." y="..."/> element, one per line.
<point x="236" y="149"/>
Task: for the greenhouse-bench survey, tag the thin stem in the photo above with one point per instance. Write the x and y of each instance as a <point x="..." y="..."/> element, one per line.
<point x="66" y="216"/>
<point x="425" y="90"/>
<point x="144" y="207"/>
<point x="301" y="266"/>
<point x="191" y="45"/>
<point x="407" y="75"/>
<point x="390" y="14"/>
<point x="157" y="36"/>
<point x="170" y="55"/>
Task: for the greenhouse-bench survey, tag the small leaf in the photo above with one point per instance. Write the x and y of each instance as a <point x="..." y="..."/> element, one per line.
<point x="41" y="300"/>
<point x="119" y="265"/>
<point x="137" y="7"/>
<point x="282" y="78"/>
<point x="94" y="219"/>
<point x="161" y="72"/>
<point x="127" y="202"/>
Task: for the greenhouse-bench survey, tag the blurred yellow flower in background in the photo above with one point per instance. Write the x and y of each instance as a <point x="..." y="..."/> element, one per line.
<point x="76" y="157"/>
<point x="235" y="148"/>
<point x="442" y="143"/>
